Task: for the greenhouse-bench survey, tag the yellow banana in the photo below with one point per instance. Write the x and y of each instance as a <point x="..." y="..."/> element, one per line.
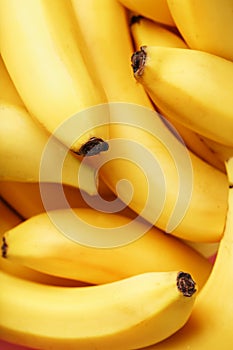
<point x="26" y="147"/>
<point x="39" y="45"/>
<point x="111" y="61"/>
<point x="29" y="274"/>
<point x="25" y="197"/>
<point x="110" y="316"/>
<point x="147" y="32"/>
<point x="205" y="25"/>
<point x="183" y="83"/>
<point x="8" y="220"/>
<point x="157" y="10"/>
<point x="211" y="322"/>
<point x="146" y="166"/>
<point x="103" y="18"/>
<point x="22" y="147"/>
<point x="60" y="256"/>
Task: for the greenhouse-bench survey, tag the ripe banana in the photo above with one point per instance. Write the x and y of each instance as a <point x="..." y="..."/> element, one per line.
<point x="40" y="245"/>
<point x="130" y="169"/>
<point x="22" y="147"/>
<point x="32" y="275"/>
<point x="24" y="144"/>
<point x="183" y="83"/>
<point x="205" y="25"/>
<point x="157" y="11"/>
<point x="104" y="17"/>
<point x="39" y="45"/>
<point x="127" y="314"/>
<point x="8" y="220"/>
<point x="25" y="197"/>
<point x="211" y="322"/>
<point x="147" y="32"/>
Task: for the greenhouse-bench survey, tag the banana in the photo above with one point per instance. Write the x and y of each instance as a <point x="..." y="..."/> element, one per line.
<point x="39" y="45"/>
<point x="211" y="322"/>
<point x="147" y="32"/>
<point x="25" y="146"/>
<point x="60" y="256"/>
<point x="110" y="316"/>
<point x="22" y="147"/>
<point x="117" y="170"/>
<point x="25" y="197"/>
<point x="157" y="11"/>
<point x="111" y="62"/>
<point x="205" y="25"/>
<point x="147" y="166"/>
<point x="32" y="275"/>
<point x="191" y="78"/>
<point x="119" y="87"/>
<point x="8" y="220"/>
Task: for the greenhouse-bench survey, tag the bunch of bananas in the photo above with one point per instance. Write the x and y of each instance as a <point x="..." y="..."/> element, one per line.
<point x="116" y="174"/>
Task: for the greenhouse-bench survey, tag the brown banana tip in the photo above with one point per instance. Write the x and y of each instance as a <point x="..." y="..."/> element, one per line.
<point x="4" y="247"/>
<point x="135" y="19"/>
<point x="185" y="284"/>
<point x="138" y="60"/>
<point x="93" y="147"/>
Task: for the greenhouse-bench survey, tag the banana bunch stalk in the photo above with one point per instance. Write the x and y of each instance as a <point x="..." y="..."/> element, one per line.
<point x="116" y="174"/>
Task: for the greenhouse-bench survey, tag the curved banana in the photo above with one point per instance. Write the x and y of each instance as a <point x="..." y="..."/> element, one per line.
<point x="205" y="25"/>
<point x="212" y="316"/>
<point x="111" y="61"/>
<point x="25" y="197"/>
<point x="157" y="11"/>
<point x="39" y="45"/>
<point x="147" y="32"/>
<point x="23" y="145"/>
<point x="8" y="220"/>
<point x="32" y="275"/>
<point x="131" y="170"/>
<point x="112" y="315"/>
<point x="104" y="17"/>
<point x="60" y="256"/>
<point x="151" y="33"/>
<point x="191" y="78"/>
